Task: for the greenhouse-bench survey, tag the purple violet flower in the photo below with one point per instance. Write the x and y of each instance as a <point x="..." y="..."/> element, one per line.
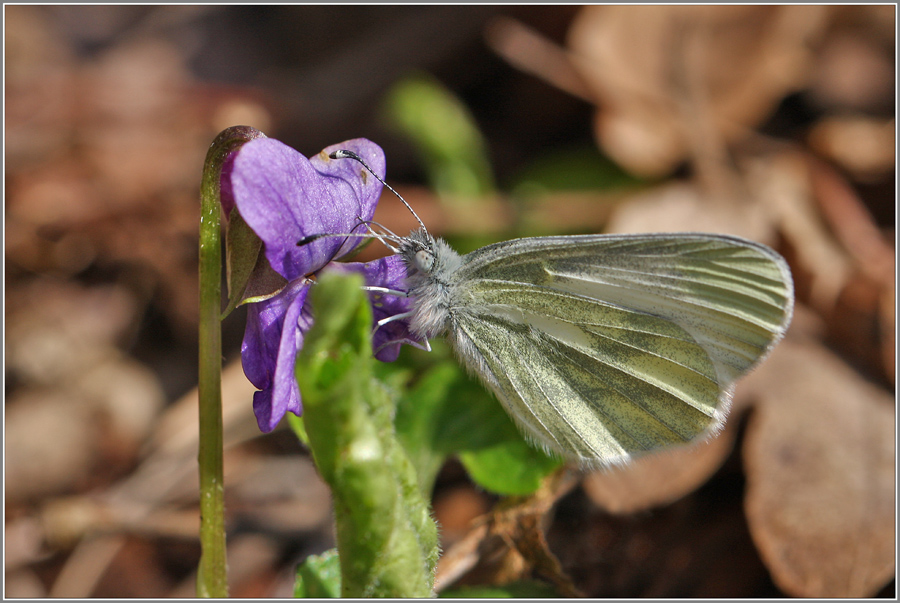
<point x="283" y="196"/>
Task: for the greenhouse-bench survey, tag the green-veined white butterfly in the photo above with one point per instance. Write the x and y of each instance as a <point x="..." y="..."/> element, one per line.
<point x="603" y="347"/>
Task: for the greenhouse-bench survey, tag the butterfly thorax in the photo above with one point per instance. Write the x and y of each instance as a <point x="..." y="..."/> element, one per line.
<point x="430" y="265"/>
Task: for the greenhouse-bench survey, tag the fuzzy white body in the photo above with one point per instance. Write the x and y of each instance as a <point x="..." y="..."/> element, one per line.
<point x="431" y="266"/>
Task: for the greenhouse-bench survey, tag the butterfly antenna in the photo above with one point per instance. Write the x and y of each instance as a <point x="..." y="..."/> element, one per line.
<point x="345" y="154"/>
<point x="365" y="235"/>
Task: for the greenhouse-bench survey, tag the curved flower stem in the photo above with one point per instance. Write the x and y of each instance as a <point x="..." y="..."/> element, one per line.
<point x="211" y="575"/>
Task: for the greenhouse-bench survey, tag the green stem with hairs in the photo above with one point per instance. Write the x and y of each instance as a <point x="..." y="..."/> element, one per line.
<point x="211" y="574"/>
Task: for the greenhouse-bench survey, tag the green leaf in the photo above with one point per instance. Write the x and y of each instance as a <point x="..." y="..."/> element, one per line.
<point x="490" y="445"/>
<point x="446" y="413"/>
<point x="512" y="467"/>
<point x="444" y="133"/>
<point x="319" y="577"/>
<point x="419" y="412"/>
<point x="573" y="169"/>
<point x="387" y="540"/>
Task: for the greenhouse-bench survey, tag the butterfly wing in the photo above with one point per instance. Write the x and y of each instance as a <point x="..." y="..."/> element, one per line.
<point x="605" y="347"/>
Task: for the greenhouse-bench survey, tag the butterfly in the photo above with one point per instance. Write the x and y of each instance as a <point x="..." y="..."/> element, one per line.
<point x="603" y="347"/>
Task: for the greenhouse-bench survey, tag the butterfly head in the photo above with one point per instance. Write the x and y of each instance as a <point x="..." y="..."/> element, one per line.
<point x="428" y="259"/>
<point x="419" y="252"/>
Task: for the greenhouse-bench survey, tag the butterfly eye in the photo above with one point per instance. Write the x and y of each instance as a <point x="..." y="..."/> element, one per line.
<point x="424" y="260"/>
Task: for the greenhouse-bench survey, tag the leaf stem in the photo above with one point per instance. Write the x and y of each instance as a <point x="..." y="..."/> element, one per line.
<point x="211" y="574"/>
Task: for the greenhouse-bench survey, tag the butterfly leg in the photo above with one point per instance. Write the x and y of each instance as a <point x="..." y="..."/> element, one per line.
<point x="401" y="316"/>
<point x="426" y="346"/>
<point x="386" y="290"/>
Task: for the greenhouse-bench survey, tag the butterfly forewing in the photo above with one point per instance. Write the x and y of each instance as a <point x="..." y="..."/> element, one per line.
<point x="604" y="347"/>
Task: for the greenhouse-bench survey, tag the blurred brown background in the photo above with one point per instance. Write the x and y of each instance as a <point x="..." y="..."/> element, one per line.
<point x="776" y="123"/>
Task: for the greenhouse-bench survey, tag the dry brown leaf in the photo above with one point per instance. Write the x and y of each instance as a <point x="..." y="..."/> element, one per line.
<point x="855" y="69"/>
<point x="57" y="330"/>
<point x="508" y="544"/>
<point x="661" y="478"/>
<point x="177" y="429"/>
<point x="251" y="558"/>
<point x="66" y="520"/>
<point x="656" y="70"/>
<point x="82" y="408"/>
<point x="280" y="494"/>
<point x="682" y="207"/>
<point x="852" y="223"/>
<point x="106" y="171"/>
<point x="843" y="266"/>
<point x="51" y="443"/>
<point x="820" y="463"/>
<point x="864" y="146"/>
<point x="39" y="87"/>
<point x="24" y="584"/>
<point x="454" y="508"/>
<point x="531" y="52"/>
<point x="866" y="308"/>
<point x="85" y="566"/>
<point x="889" y="333"/>
<point x="781" y="182"/>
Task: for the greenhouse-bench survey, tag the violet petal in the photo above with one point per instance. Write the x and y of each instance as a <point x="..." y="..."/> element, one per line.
<point x="283" y="197"/>
<point x="274" y="334"/>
